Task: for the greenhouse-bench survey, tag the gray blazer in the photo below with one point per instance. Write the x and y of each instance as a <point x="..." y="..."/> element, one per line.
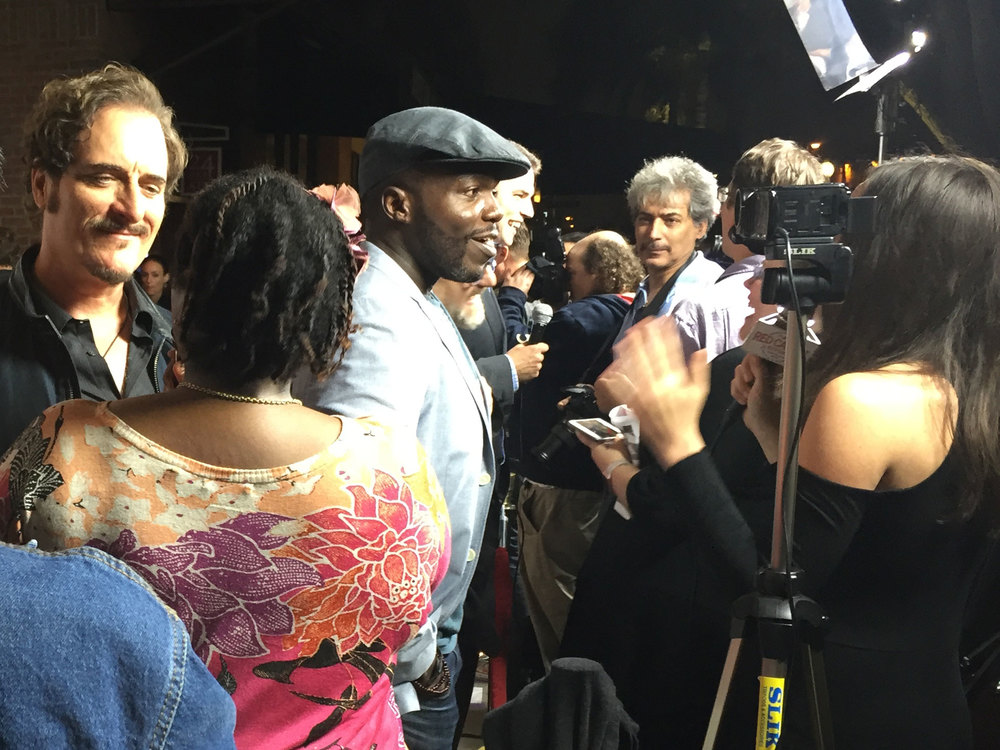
<point x="408" y="366"/>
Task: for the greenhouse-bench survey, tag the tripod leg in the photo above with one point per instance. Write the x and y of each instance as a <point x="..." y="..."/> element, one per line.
<point x="725" y="683"/>
<point x="819" y="699"/>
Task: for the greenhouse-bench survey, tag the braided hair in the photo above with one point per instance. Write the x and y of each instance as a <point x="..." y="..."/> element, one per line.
<point x="267" y="278"/>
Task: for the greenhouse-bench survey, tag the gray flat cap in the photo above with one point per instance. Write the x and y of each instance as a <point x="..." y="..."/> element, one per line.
<point x="434" y="135"/>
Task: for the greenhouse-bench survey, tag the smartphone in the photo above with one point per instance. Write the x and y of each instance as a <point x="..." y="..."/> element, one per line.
<point x="598" y="429"/>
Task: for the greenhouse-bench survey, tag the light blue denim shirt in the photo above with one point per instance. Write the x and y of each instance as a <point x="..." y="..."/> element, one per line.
<point x="700" y="273"/>
<point x="90" y="658"/>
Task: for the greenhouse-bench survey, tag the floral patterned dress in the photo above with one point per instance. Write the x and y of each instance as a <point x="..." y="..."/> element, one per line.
<point x="298" y="584"/>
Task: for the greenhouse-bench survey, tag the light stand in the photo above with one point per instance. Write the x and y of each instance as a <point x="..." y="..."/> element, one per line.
<point x="887" y="91"/>
<point x="886" y="101"/>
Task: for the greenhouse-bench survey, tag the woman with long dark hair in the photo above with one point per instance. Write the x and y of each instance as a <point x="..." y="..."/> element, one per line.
<point x="300" y="549"/>
<point x="899" y="455"/>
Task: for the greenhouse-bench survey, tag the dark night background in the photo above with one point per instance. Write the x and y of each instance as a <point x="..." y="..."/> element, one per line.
<point x="565" y="71"/>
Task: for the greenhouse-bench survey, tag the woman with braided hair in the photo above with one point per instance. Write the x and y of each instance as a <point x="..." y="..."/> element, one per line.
<point x="300" y="549"/>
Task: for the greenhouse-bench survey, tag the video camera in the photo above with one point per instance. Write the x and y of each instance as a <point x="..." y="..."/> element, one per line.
<point x="802" y="223"/>
<point x="581" y="405"/>
<point x="546" y="255"/>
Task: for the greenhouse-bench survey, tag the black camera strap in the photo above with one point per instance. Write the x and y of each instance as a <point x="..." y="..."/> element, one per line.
<point x="653" y="305"/>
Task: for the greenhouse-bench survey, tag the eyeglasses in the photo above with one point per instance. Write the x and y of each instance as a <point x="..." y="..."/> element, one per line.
<point x="723" y="193"/>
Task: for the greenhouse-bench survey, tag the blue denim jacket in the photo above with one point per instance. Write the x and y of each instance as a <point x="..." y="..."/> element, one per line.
<point x="90" y="658"/>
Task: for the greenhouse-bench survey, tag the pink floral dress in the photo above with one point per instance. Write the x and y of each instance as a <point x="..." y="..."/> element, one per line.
<point x="298" y="584"/>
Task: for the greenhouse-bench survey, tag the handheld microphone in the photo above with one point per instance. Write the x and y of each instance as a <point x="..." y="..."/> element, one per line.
<point x="541" y="315"/>
<point x="767" y="340"/>
<point x="768" y="336"/>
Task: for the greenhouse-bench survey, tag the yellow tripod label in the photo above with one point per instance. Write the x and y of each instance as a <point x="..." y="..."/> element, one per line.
<point x="769" y="705"/>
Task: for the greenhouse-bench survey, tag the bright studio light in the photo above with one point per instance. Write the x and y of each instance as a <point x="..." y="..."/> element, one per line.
<point x="918" y="39"/>
<point x="827" y="168"/>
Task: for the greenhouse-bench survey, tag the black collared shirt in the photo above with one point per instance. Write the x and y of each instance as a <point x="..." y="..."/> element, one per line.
<point x="93" y="374"/>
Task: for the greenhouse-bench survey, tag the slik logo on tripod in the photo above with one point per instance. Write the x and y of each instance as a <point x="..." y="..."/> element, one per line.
<point x="772" y="693"/>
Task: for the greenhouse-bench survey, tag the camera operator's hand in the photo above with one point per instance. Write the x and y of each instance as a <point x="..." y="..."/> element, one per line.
<point x="612" y="388"/>
<point x="528" y="360"/>
<point x="753" y="386"/>
<point x="669" y="393"/>
<point x="521" y="279"/>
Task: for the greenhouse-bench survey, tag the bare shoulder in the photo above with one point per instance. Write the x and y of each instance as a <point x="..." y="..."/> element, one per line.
<point x="891" y="394"/>
<point x="886" y="429"/>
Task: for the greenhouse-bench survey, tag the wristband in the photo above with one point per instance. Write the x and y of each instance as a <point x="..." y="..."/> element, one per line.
<point x="610" y="468"/>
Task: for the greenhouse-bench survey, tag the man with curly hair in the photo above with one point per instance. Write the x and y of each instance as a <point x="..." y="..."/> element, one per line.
<point x="561" y="500"/>
<point x="103" y="155"/>
<point x="673" y="202"/>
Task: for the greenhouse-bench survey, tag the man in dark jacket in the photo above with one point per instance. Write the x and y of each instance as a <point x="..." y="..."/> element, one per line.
<point x="73" y="324"/>
<point x="561" y="500"/>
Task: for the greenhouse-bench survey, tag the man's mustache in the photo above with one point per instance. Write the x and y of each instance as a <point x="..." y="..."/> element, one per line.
<point x="110" y="226"/>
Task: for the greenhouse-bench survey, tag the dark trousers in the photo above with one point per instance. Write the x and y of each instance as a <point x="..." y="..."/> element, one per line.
<point x="433" y="726"/>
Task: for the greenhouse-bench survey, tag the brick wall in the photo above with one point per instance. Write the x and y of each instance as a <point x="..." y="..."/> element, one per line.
<point x="40" y="40"/>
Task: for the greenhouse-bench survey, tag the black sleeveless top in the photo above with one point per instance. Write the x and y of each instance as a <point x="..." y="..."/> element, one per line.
<point x="891" y="569"/>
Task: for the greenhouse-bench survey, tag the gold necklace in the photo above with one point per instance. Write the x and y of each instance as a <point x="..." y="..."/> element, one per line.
<point x="238" y="396"/>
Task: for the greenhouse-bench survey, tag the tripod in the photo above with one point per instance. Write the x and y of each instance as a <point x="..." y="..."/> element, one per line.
<point x="782" y="616"/>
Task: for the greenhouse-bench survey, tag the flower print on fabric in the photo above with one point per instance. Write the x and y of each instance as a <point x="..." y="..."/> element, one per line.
<point x="221" y="582"/>
<point x="298" y="584"/>
<point x="384" y="563"/>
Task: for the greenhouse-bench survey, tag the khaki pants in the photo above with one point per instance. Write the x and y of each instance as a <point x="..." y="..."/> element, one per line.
<point x="556" y="529"/>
